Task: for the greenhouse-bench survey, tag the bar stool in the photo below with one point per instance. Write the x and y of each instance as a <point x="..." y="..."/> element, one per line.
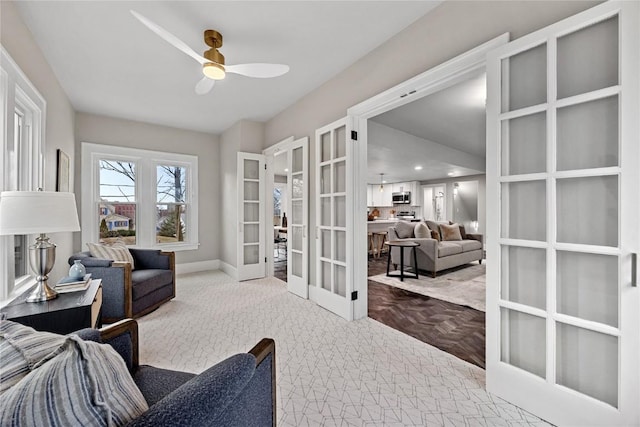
<point x="372" y="245"/>
<point x="379" y="238"/>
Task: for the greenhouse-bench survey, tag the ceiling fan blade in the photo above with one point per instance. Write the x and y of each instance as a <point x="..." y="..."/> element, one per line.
<point x="168" y="37"/>
<point x="204" y="86"/>
<point x="259" y="70"/>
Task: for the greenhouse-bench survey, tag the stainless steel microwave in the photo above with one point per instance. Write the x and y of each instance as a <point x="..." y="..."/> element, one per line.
<point x="403" y="197"/>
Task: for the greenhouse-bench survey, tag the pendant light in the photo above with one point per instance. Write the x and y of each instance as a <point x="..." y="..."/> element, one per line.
<point x="381" y="183"/>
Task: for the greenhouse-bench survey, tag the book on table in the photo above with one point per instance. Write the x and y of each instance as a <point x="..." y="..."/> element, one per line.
<point x="72" y="284"/>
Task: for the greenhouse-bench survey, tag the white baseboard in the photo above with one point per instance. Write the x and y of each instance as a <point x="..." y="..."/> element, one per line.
<point x="229" y="269"/>
<point x="194" y="267"/>
<point x="215" y="264"/>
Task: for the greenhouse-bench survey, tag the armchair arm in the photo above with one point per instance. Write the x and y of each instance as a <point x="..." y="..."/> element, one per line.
<point x="123" y="337"/>
<point x="116" y="289"/>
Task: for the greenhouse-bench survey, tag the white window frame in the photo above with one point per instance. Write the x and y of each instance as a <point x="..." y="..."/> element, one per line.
<point x="18" y="93"/>
<point x="145" y="184"/>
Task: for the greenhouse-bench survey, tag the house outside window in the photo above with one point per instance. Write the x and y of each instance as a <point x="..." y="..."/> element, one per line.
<point x="139" y="197"/>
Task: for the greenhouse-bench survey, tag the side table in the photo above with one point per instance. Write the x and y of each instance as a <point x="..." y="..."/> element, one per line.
<point x="402" y="245"/>
<point x="67" y="313"/>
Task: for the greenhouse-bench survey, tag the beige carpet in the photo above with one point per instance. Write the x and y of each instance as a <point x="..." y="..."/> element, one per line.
<point x="463" y="286"/>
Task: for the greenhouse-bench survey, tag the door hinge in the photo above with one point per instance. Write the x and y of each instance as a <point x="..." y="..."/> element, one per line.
<point x="265" y="166"/>
<point x="354" y="135"/>
<point x="265" y="259"/>
<point x="354" y="295"/>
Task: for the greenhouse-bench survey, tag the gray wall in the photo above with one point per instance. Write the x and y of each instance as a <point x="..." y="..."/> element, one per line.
<point x="127" y="133"/>
<point x="20" y="44"/>
<point x="246" y="136"/>
<point x="449" y="30"/>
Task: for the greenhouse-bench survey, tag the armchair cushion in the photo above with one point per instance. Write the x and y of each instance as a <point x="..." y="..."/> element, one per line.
<point x="116" y="252"/>
<point x="147" y="281"/>
<point x="79" y="383"/>
<point x="156" y="383"/>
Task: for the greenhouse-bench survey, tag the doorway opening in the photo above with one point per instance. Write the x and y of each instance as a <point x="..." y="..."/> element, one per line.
<point x="434" y="145"/>
<point x="280" y="203"/>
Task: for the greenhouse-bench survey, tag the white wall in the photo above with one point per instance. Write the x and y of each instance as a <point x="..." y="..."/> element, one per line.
<point x="482" y="197"/>
<point x="127" y="133"/>
<point x="451" y="29"/>
<point x="20" y="44"/>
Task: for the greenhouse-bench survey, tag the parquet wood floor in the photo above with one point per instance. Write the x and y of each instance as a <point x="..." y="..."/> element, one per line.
<point x="453" y="328"/>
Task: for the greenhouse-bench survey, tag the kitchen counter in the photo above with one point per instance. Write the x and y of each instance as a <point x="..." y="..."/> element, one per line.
<point x="380" y="224"/>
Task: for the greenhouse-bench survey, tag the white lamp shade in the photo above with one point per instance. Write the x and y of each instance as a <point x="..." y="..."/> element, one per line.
<point x="36" y="212"/>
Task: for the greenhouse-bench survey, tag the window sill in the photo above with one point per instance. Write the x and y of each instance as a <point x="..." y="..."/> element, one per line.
<point x="19" y="291"/>
<point x="177" y="247"/>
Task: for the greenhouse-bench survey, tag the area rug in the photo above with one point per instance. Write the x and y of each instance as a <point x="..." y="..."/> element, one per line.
<point x="463" y="286"/>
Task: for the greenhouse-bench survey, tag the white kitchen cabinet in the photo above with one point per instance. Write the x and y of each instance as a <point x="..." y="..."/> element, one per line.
<point x="381" y="198"/>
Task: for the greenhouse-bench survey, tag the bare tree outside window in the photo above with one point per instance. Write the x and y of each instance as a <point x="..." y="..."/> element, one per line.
<point x="171" y="203"/>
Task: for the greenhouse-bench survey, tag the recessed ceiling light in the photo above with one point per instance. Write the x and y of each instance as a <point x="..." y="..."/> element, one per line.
<point x="286" y="169"/>
<point x="384" y="182"/>
<point x="451" y="173"/>
<point x="418" y="168"/>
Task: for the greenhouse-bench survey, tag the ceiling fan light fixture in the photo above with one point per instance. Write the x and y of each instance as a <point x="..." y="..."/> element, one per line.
<point x="213" y="71"/>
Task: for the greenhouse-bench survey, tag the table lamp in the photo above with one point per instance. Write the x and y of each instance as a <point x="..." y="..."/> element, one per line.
<point x="39" y="212"/>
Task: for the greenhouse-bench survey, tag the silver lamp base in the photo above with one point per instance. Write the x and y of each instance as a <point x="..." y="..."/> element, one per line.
<point x="42" y="292"/>
<point x="42" y="256"/>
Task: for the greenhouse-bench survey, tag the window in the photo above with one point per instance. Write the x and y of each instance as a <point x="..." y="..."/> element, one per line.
<point x="142" y="198"/>
<point x="22" y="121"/>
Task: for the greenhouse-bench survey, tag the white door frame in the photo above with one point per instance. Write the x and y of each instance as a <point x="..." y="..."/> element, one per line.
<point x="433" y="80"/>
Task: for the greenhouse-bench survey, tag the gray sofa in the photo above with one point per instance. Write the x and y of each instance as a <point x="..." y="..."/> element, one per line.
<point x="434" y="255"/>
<point x="128" y="293"/>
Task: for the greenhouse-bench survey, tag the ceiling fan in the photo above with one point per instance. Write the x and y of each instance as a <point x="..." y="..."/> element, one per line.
<point x="213" y="66"/>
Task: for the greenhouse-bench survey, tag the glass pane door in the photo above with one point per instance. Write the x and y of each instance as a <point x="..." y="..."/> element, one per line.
<point x="298" y="247"/>
<point x="333" y="289"/>
<point x="563" y="256"/>
<point x="251" y="223"/>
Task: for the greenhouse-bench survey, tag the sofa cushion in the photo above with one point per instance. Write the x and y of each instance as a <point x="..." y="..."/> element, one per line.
<point x="435" y="235"/>
<point x="469" y="245"/>
<point x="146" y="281"/>
<point x="21" y="348"/>
<point x="435" y="226"/>
<point x="421" y="231"/>
<point x="449" y="248"/>
<point x="404" y="230"/>
<point x="463" y="232"/>
<point x="117" y="252"/>
<point x="81" y="383"/>
<point x="450" y="232"/>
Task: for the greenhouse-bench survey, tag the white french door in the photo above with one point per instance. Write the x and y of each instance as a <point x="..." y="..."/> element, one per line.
<point x="251" y="217"/>
<point x="562" y="170"/>
<point x="298" y="206"/>
<point x="334" y="252"/>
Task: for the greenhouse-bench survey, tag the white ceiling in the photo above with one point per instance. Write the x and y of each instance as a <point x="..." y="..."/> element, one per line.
<point x="453" y="117"/>
<point x="108" y="63"/>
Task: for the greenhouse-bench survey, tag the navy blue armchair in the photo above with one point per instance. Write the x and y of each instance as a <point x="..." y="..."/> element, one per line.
<point x="239" y="391"/>
<point x="128" y="293"/>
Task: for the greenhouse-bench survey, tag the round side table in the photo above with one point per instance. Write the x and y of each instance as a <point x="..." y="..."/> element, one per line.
<point x="402" y="244"/>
